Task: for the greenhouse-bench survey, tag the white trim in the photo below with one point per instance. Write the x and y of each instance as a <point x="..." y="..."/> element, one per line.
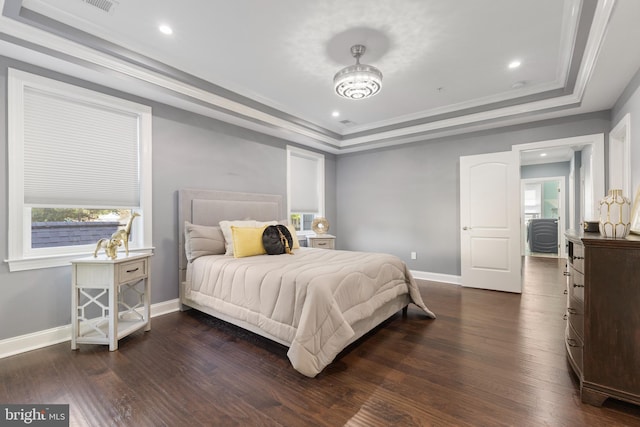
<point x="597" y="33"/>
<point x="40" y="339"/>
<point x="437" y="277"/>
<point x="60" y="260"/>
<point x="165" y="307"/>
<point x="84" y="53"/>
<point x="122" y="69"/>
<point x="595" y="140"/>
<point x="620" y="146"/>
<point x="452" y="108"/>
<point x="20" y="254"/>
<point x="571" y="15"/>
<point x="33" y="341"/>
<point x="15" y="197"/>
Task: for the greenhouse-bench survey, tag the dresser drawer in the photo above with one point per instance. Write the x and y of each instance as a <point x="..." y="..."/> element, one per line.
<point x="322" y="243"/>
<point x="576" y="285"/>
<point x="577" y="257"/>
<point x="130" y="271"/>
<point x="575" y="348"/>
<point x="575" y="315"/>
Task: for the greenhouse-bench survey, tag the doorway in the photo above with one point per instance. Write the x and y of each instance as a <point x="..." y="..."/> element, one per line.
<point x="543" y="214"/>
<point x="585" y="183"/>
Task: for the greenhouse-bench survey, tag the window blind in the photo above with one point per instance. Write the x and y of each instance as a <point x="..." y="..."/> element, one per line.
<point x="79" y="154"/>
<point x="304" y="185"/>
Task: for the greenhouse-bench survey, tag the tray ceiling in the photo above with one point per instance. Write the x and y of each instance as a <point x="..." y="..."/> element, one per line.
<point x="268" y="66"/>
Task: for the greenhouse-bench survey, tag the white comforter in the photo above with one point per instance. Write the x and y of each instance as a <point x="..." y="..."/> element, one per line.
<point x="309" y="299"/>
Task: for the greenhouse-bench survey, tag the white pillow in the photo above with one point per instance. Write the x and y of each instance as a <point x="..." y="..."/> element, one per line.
<point x="225" y="226"/>
<point x="202" y="240"/>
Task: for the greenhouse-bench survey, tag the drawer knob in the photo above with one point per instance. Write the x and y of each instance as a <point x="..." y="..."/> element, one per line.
<point x="134" y="270"/>
<point x="578" y="257"/>
<point x="565" y="316"/>
<point x="322" y="243"/>
<point x="566" y="273"/>
<point x="572" y="310"/>
<point x="577" y="285"/>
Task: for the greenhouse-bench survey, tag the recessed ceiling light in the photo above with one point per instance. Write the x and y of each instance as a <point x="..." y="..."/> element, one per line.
<point x="543" y="154"/>
<point x="336" y="114"/>
<point x="514" y="64"/>
<point x="165" y="29"/>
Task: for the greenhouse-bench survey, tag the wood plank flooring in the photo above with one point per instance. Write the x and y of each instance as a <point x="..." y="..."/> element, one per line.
<point x="489" y="359"/>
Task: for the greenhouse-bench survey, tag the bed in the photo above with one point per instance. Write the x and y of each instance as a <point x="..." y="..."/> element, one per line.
<point x="316" y="301"/>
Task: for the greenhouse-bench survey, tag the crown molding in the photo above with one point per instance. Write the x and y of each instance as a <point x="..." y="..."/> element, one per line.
<point x="48" y="50"/>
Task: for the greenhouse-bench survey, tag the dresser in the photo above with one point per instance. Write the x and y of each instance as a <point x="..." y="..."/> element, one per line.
<point x="602" y="334"/>
<point x="110" y="298"/>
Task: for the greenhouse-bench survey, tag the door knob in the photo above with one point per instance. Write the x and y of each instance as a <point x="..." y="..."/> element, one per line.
<point x="465" y="228"/>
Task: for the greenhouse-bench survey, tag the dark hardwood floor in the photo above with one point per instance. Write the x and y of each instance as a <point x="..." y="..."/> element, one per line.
<point x="489" y="359"/>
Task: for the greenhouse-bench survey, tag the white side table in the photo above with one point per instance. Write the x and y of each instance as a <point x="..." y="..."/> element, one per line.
<point x="322" y="241"/>
<point x="110" y="298"/>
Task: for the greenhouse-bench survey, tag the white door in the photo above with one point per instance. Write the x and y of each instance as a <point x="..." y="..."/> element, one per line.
<point x="490" y="221"/>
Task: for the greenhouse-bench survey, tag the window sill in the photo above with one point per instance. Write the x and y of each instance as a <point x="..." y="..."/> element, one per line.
<point x="51" y="261"/>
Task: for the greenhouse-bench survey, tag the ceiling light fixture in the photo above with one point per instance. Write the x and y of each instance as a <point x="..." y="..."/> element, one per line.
<point x="358" y="81"/>
<point x="165" y="29"/>
<point x="336" y="114"/>
<point x="515" y="64"/>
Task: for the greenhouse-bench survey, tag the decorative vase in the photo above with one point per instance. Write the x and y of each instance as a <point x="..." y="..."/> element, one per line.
<point x="615" y="215"/>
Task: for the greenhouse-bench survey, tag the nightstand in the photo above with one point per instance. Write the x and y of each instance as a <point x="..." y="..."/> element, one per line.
<point x="322" y="241"/>
<point x="101" y="288"/>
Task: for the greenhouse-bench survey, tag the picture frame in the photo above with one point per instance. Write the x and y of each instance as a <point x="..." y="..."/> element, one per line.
<point x="635" y="213"/>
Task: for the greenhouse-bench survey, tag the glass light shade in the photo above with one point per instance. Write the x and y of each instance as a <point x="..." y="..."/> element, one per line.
<point x="358" y="81"/>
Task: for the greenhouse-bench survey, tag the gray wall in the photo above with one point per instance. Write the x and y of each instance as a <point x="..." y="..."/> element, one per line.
<point x="188" y="151"/>
<point x="550" y="170"/>
<point x="394" y="200"/>
<point x="406" y="198"/>
<point x="629" y="102"/>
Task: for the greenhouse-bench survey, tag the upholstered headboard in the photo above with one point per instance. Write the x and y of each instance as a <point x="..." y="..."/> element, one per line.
<point x="209" y="207"/>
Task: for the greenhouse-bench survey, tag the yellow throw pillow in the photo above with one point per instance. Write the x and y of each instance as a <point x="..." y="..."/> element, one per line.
<point x="247" y="241"/>
<point x="296" y="242"/>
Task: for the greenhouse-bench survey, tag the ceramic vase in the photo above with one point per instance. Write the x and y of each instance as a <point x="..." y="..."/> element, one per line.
<point x="615" y="214"/>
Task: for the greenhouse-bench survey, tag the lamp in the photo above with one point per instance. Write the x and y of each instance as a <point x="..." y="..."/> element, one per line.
<point x="358" y="81"/>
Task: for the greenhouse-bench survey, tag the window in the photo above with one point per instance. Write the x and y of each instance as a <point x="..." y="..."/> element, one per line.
<point x="79" y="163"/>
<point x="305" y="187"/>
<point x="532" y="204"/>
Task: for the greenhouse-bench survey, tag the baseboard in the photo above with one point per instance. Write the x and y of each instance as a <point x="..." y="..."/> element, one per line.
<point x="165" y="307"/>
<point x="36" y="340"/>
<point x="437" y="277"/>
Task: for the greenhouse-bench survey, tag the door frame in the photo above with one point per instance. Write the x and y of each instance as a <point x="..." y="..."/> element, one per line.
<point x="562" y="252"/>
<point x="620" y="156"/>
<point x="577" y="143"/>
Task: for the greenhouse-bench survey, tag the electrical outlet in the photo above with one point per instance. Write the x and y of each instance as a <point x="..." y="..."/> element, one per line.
<point x="414" y="255"/>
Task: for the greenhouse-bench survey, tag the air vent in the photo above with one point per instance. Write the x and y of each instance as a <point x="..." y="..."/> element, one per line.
<point x="104" y="5"/>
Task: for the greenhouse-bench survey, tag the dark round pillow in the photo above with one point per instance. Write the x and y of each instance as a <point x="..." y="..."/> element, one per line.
<point x="277" y="240"/>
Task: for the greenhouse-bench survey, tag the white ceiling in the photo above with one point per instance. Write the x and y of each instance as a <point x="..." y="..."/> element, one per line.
<point x="547" y="155"/>
<point x="269" y="66"/>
